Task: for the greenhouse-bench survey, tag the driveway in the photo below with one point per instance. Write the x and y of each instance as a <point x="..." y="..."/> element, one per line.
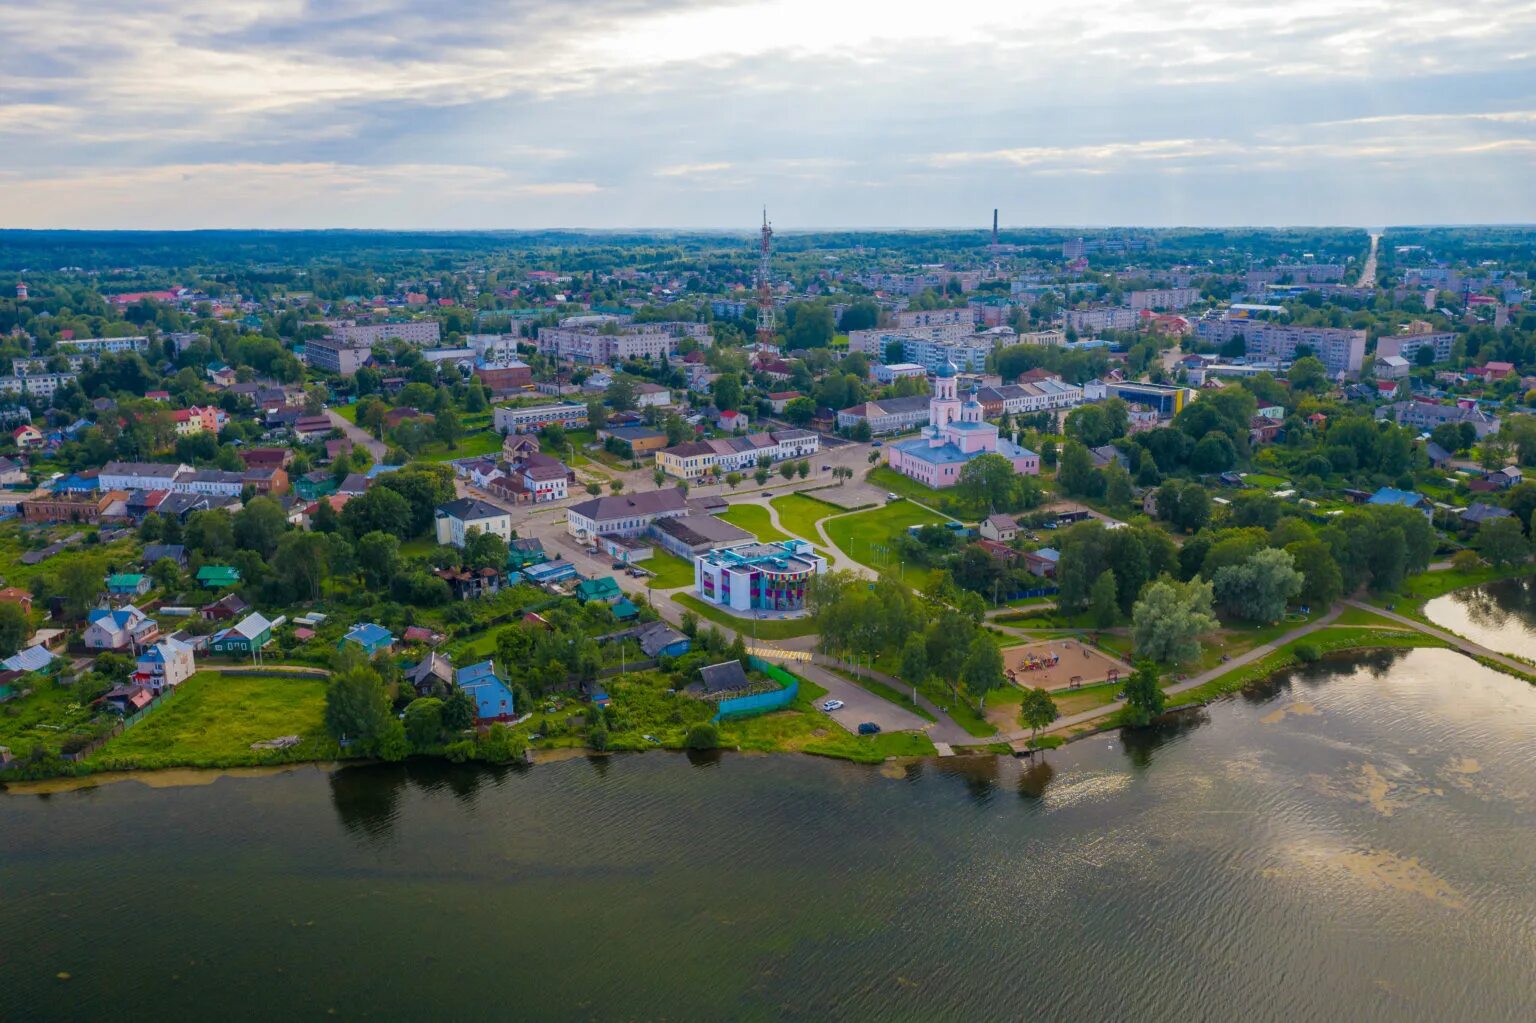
<point x="357" y="435"/>
<point x="862" y="705"/>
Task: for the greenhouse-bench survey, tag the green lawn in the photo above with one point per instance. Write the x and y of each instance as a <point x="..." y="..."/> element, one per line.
<point x="890" y="480"/>
<point x="754" y="519"/>
<point x="214" y="718"/>
<point x="799" y="514"/>
<point x="868" y="537"/>
<point x="766" y="628"/>
<point x="347" y="412"/>
<point x="671" y="570"/>
<point x="471" y="446"/>
<point x="1265" y="482"/>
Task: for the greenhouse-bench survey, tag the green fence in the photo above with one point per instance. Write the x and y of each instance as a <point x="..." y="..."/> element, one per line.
<point x="761" y="703"/>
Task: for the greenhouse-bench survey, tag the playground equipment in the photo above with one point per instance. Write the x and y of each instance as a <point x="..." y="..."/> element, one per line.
<point x="1075" y="682"/>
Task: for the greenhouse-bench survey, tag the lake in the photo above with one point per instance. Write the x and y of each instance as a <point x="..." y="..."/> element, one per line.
<point x="1351" y="841"/>
<point x="1499" y="615"/>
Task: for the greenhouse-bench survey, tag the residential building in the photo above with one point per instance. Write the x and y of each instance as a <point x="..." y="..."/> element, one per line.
<point x="246" y="637"/>
<point x="493" y="698"/>
<point x="141" y="475"/>
<point x="907" y="318"/>
<point x="956" y="434"/>
<point x="119" y="629"/>
<point x="1049" y="338"/>
<point x="1425" y="416"/>
<point x="27" y="437"/>
<point x="648" y="394"/>
<point x="721" y="680"/>
<point x="128" y="584"/>
<point x="1163" y="298"/>
<point x="642" y="440"/>
<point x="457" y="518"/>
<point x="165" y="665"/>
<point x="1091" y="321"/>
<point x="623" y="514"/>
<point x="1341" y="351"/>
<point x="887" y="415"/>
<point x="41" y="386"/>
<point x="1408" y="345"/>
<point x="612" y="344"/>
<point x="67" y="507"/>
<point x="1001" y="528"/>
<point x="874" y="341"/>
<point x="543" y="477"/>
<point x="1391" y="367"/>
<point x="1402" y="498"/>
<point x="372" y="638"/>
<point x="883" y="373"/>
<point x="426" y="333"/>
<point x="218" y="577"/>
<point x="509" y="419"/>
<point x="966" y="353"/>
<point x="334" y="355"/>
<point x="470" y="585"/>
<point x="693" y="459"/>
<point x="103" y="346"/>
<point x="226" y="609"/>
<point x="758" y="576"/>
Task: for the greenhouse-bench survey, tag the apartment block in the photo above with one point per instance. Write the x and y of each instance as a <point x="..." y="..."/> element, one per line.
<point x="597" y="346"/>
<point x="1341" y="350"/>
<point x="1163" y="298"/>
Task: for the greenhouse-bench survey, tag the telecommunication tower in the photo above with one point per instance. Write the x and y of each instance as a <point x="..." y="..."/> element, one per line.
<point x="765" y="286"/>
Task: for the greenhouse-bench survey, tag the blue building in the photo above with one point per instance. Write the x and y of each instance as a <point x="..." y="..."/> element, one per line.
<point x="493" y="698"/>
<point x="1402" y="498"/>
<point x="372" y="638"/>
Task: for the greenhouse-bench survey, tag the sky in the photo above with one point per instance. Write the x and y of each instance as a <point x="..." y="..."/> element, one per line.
<point x="832" y="113"/>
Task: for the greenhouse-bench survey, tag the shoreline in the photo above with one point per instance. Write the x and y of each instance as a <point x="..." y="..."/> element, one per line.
<point x="1281" y="659"/>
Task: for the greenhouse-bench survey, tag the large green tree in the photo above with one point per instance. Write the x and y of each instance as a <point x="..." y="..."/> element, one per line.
<point x="356" y="706"/>
<point x="1169" y="619"/>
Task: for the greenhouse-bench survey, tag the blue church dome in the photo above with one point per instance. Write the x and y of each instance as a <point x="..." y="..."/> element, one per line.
<point x="948" y="369"/>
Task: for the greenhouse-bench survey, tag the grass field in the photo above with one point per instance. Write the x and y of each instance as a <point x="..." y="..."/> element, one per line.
<point x="766" y="628"/>
<point x="754" y="519"/>
<point x="214" y="718"/>
<point x="671" y="570"/>
<point x="890" y="480"/>
<point x="471" y="446"/>
<point x="868" y="536"/>
<point x="347" y="412"/>
<point x="799" y="514"/>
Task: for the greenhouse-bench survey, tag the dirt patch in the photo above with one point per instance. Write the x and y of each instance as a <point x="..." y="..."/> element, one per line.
<point x="1055" y="664"/>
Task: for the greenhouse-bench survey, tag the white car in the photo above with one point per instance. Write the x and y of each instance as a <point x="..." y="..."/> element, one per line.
<point x="832" y="705"/>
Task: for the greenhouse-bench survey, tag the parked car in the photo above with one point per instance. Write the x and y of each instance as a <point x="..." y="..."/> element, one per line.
<point x="869" y="728"/>
<point x="832" y="705"/>
<point x="892" y="497"/>
<point x="877" y="444"/>
<point x="618" y="566"/>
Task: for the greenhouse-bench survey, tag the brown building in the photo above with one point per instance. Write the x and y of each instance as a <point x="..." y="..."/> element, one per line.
<point x="267" y="480"/>
<point x="68" y="507"/>
<point x="267" y="458"/>
<point x="505" y="380"/>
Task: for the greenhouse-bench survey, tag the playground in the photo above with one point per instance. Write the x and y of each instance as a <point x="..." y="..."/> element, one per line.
<point x="1060" y="664"/>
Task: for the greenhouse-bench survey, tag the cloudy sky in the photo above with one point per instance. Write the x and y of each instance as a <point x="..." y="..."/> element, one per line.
<point x="694" y="113"/>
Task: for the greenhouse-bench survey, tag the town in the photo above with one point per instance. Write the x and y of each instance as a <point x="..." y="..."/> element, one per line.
<point x="863" y="496"/>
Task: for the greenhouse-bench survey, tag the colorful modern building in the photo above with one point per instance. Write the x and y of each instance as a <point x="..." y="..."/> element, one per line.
<point x="757" y="576"/>
<point x="956" y="433"/>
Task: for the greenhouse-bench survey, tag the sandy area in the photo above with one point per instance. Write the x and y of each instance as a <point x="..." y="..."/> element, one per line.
<point x="1058" y="662"/>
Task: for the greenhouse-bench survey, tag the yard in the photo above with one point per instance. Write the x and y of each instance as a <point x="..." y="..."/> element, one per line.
<point x="487" y="442"/>
<point x="869" y="537"/>
<point x="754" y="519"/>
<point x="890" y="480"/>
<point x="214" y="718"/>
<point x="799" y="514"/>
<point x="671" y="570"/>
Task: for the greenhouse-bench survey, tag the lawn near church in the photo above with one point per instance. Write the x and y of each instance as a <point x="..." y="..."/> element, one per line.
<point x="868" y="537"/>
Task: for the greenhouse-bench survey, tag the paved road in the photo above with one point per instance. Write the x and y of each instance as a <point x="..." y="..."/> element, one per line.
<point x="1262" y="650"/>
<point x="861" y="704"/>
<point x="357" y="435"/>
<point x="1461" y="643"/>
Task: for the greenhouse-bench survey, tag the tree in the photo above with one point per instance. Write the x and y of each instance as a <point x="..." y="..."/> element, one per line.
<point x="594" y="488"/>
<point x="1117" y="485"/>
<point x="982" y="670"/>
<point x="1103" y="599"/>
<point x="727" y="392"/>
<point x="986" y="482"/>
<point x="787" y="470"/>
<point x="378" y="556"/>
<point x="166" y="574"/>
<point x="1259" y="588"/>
<point x="802" y="468"/>
<point x="1501" y="542"/>
<point x="621" y="393"/>
<point x="79" y="583"/>
<point x="733" y="480"/>
<point x="301" y="563"/>
<point x="1076" y="474"/>
<point x="1036" y="711"/>
<point x="616" y="485"/>
<point x="659" y="477"/>
<point x="379" y="510"/>
<point x="1321" y="582"/>
<point x="914" y="661"/>
<point x="1144" y="699"/>
<point x="1307" y="374"/>
<point x="424" y="721"/>
<point x="484" y="550"/>
<point x="1170" y="617"/>
<point x="260" y="525"/>
<point x="761" y="475"/>
<point x="14" y="628"/>
<point x="811" y="326"/>
<point x="1213" y="453"/>
<point x="356" y="706"/>
<point x="800" y="411"/>
<point x="702" y="736"/>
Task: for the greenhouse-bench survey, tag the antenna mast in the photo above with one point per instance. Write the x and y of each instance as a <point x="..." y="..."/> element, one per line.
<point x="765" y="286"/>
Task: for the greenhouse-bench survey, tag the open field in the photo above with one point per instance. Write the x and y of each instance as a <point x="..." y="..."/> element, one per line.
<point x="754" y="519"/>
<point x="799" y="514"/>
<point x="671" y="570"/>
<point x="470" y="446"/>
<point x="768" y="628"/>
<point x="214" y="718"/>
<point x="868" y="537"/>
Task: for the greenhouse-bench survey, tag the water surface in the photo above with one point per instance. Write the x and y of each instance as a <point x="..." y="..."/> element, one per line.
<point x="1352" y="841"/>
<point x="1499" y="615"/>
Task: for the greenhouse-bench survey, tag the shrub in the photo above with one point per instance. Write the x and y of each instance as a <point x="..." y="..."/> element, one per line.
<point x="1307" y="652"/>
<point x="461" y="751"/>
<point x="597" y="738"/>
<point x="703" y="735"/>
<point x="1465" y="560"/>
<point x="500" y="744"/>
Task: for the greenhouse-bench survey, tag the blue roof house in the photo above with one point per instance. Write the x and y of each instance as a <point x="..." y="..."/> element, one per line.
<point x="1402" y="498"/>
<point x="372" y="638"/>
<point x="493" y="698"/>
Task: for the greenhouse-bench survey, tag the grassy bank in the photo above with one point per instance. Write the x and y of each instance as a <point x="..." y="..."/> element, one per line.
<point x="770" y="628"/>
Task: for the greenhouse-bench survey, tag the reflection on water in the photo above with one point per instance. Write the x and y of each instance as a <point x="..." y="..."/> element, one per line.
<point x="1350" y="840"/>
<point x="1500" y="616"/>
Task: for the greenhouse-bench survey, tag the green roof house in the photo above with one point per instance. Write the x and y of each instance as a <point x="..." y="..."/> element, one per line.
<point x="128" y="584"/>
<point x="217" y="577"/>
<point x="605" y="589"/>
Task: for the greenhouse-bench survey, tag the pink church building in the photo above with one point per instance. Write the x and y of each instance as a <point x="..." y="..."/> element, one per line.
<point x="956" y="433"/>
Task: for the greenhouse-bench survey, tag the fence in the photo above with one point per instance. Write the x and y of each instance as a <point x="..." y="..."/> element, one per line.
<point x="761" y="703"/>
<point x="118" y="729"/>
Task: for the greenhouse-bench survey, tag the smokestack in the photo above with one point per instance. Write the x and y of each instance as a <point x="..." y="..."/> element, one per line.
<point x="994" y="227"/>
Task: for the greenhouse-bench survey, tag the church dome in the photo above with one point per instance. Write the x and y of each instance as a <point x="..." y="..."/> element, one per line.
<point x="948" y="369"/>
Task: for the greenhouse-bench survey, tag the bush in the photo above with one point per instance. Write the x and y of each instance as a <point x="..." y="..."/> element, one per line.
<point x="597" y="738"/>
<point x="500" y="744"/>
<point x="1465" y="560"/>
<point x="460" y="752"/>
<point x="392" y="743"/>
<point x="1307" y="652"/>
<point x="703" y="735"/>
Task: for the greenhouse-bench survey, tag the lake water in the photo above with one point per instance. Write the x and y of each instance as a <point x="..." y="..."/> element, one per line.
<point x="1500" y="616"/>
<point x="1353" y="841"/>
